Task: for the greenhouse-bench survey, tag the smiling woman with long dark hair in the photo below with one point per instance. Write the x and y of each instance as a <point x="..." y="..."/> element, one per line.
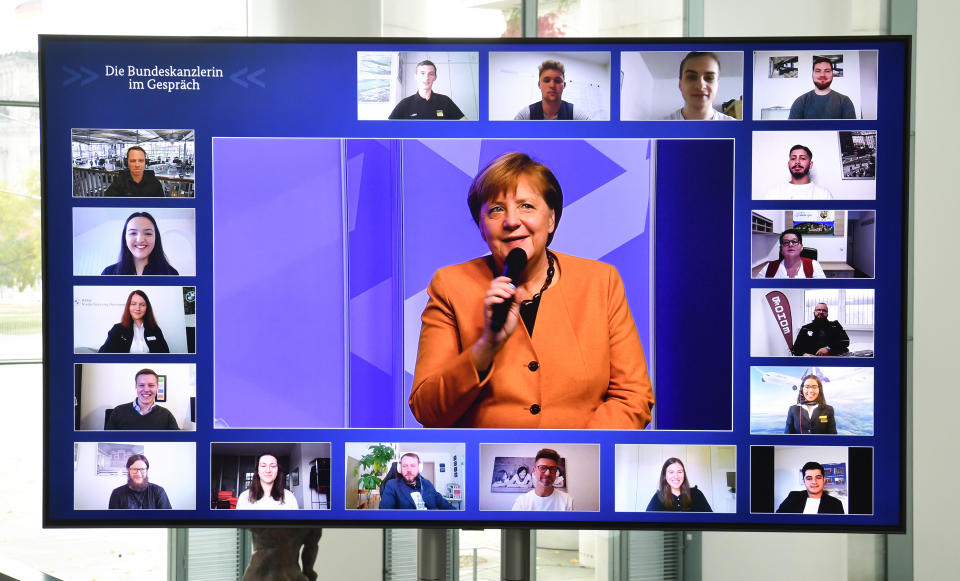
<point x="141" y="249"/>
<point x="811" y="415"/>
<point x="675" y="493"/>
<point x="137" y="331"/>
<point x="266" y="490"/>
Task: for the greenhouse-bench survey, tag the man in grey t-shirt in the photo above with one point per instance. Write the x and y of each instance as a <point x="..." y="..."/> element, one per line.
<point x="822" y="102"/>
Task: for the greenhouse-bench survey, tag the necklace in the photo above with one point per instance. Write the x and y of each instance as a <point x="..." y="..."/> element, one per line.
<point x="528" y="309"/>
<point x="551" y="270"/>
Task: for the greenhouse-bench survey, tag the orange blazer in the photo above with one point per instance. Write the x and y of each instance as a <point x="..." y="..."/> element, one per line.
<point x="583" y="368"/>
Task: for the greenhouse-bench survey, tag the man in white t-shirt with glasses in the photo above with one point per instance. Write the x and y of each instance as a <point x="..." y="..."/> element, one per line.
<point x="544" y="496"/>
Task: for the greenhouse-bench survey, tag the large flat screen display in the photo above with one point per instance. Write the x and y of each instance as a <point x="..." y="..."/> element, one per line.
<point x="633" y="284"/>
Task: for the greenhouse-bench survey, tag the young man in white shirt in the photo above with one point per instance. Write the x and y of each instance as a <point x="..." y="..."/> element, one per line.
<point x="544" y="496"/>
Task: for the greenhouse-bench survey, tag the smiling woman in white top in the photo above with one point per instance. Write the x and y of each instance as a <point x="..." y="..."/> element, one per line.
<point x="266" y="489"/>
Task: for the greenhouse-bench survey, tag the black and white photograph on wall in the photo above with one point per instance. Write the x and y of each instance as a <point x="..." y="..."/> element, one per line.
<point x="515" y="474"/>
<point x="112" y="458"/>
<point x="783" y="67"/>
<point x="858" y="154"/>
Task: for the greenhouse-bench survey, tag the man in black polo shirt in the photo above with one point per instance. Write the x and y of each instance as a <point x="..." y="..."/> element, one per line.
<point x="425" y="103"/>
<point x="143" y="413"/>
<point x="136" y="180"/>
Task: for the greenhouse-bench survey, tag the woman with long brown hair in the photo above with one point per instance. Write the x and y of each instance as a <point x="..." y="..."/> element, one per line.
<point x="266" y="490"/>
<point x="137" y="331"/>
<point x="675" y="492"/>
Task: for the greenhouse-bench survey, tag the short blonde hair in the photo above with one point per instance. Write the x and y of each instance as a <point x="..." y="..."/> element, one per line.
<point x="552" y="64"/>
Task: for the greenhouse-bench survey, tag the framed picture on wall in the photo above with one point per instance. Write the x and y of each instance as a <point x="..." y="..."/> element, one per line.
<point x="161" y="388"/>
<point x="112" y="458"/>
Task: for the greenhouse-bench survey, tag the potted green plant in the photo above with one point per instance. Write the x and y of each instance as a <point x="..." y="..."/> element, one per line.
<point x="372" y="468"/>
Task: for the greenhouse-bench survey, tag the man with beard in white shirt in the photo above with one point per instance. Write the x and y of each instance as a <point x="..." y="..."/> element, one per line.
<point x="800" y="186"/>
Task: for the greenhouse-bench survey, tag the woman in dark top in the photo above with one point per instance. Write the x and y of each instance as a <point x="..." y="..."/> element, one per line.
<point x="675" y="492"/>
<point x="137" y="331"/>
<point x="811" y="415"/>
<point x="141" y="249"/>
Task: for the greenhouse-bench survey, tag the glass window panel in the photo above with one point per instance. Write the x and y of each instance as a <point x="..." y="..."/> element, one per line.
<point x="479" y="555"/>
<point x="22" y="20"/>
<point x="20" y="323"/>
<point x="609" y="18"/>
<point x="814" y="17"/>
<point x="452" y="18"/>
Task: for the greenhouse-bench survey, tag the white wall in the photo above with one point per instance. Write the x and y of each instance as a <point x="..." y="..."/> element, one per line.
<point x="638" y="473"/>
<point x="650" y="83"/>
<point x="636" y="91"/>
<point x="514" y="77"/>
<point x="863" y="229"/>
<point x="172" y="466"/>
<point x="458" y="77"/>
<point x="107" y="385"/>
<point x="97" y="234"/>
<point x="936" y="206"/>
<point x="783" y="92"/>
<point x="771" y="152"/>
<point x="583" y="470"/>
<point x="787" y="461"/>
<point x="98" y="308"/>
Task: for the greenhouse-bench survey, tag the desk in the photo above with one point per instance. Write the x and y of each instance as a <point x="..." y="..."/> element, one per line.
<point x="836" y="269"/>
<point x="456" y="502"/>
<point x="833" y="269"/>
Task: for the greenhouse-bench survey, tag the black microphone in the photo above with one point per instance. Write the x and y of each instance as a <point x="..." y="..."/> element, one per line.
<point x="512" y="267"/>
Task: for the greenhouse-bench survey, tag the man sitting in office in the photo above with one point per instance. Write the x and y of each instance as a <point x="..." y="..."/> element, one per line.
<point x="136" y="180"/>
<point x="425" y="103"/>
<point x="813" y="500"/>
<point x="544" y="496"/>
<point x="821" y="337"/>
<point x="412" y="491"/>
<point x="551" y="106"/>
<point x="144" y="413"/>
